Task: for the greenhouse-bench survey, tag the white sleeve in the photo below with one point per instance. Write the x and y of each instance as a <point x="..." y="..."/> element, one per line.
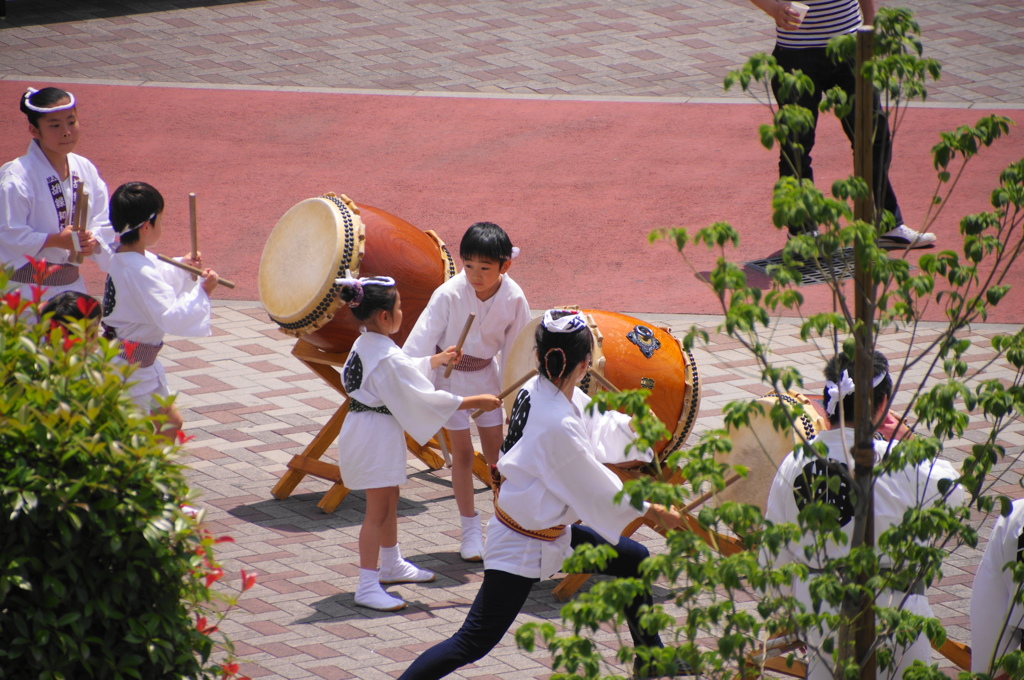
<point x="17" y="237"/>
<point x="610" y="434"/>
<point x="781" y="506"/>
<point x="183" y="314"/>
<point x="588" y="487"/>
<point x="401" y="382"/>
<point x="430" y="327"/>
<point x="992" y="595"/>
<point x="99" y="224"/>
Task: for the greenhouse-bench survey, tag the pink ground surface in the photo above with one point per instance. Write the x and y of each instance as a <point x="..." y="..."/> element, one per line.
<point x="578" y="185"/>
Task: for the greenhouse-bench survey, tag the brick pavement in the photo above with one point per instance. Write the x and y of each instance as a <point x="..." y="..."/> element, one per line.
<point x="677" y="49"/>
<point x="251" y="406"/>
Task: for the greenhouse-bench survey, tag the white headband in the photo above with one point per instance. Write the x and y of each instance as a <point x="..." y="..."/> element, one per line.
<point x="845" y="387"/>
<point x="515" y="252"/>
<point x="359" y="283"/>
<point x="140" y="225"/>
<point x="570" y="323"/>
<point x="53" y="109"/>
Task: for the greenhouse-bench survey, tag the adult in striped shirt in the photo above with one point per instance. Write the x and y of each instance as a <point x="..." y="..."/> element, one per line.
<point x="800" y="45"/>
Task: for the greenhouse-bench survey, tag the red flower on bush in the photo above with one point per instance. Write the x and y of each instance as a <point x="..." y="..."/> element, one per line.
<point x="203" y="627"/>
<point x="248" y="580"/>
<point x="129" y="349"/>
<point x="183" y="439"/>
<point x="213" y="577"/>
<point x="86" y="306"/>
<point x="13" y="300"/>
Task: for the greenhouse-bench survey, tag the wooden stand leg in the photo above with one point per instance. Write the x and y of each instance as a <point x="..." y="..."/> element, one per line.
<point x="481" y="468"/>
<point x="308" y="462"/>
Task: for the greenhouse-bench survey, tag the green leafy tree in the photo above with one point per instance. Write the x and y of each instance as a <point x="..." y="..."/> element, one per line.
<point x="965" y="284"/>
<point x="102" y="574"/>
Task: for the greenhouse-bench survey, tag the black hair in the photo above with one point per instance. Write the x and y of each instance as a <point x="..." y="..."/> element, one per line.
<point x="882" y="392"/>
<point x="558" y="354"/>
<point x="375" y="299"/>
<point x="44" y="99"/>
<point x="487" y="240"/>
<point x="131" y="205"/>
<point x="72" y="306"/>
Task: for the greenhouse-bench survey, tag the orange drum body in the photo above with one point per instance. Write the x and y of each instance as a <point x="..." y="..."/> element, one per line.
<point x="321" y="238"/>
<point x="631" y="354"/>
<point x="761" y="448"/>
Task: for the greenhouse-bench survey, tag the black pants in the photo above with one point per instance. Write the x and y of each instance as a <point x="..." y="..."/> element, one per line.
<point x="825" y="74"/>
<point x="502" y="597"/>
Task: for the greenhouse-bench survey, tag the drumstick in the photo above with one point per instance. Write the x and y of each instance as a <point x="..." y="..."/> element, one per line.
<point x="458" y="345"/>
<point x="708" y="494"/>
<point x="605" y="383"/>
<point x="194" y="270"/>
<point x="193" y="226"/>
<point x="79" y="218"/>
<point x="508" y="390"/>
<point x="443" y="445"/>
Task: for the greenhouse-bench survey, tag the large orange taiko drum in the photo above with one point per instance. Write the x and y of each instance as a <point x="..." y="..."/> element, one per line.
<point x="631" y="354"/>
<point x="321" y="238"/>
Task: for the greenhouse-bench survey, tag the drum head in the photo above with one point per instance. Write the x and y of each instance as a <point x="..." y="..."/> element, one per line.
<point x="761" y="448"/>
<point x="311" y="245"/>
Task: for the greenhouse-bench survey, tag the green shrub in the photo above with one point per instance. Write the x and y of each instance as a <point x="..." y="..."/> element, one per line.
<point x="101" y="573"/>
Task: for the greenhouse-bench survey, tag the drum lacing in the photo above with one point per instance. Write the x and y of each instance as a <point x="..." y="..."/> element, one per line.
<point x="809" y="430"/>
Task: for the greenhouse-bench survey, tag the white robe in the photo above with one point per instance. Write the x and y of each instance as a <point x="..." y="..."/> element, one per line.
<point x="146" y="299"/>
<point x="28" y="214"/>
<point x="551" y="476"/>
<point x="371" y="446"/>
<point x="498" y="322"/>
<point x="893" y="495"/>
<point x="996" y="622"/>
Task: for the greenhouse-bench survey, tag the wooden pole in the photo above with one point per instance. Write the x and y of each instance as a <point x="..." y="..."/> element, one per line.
<point x="193" y="270"/>
<point x="458" y="345"/>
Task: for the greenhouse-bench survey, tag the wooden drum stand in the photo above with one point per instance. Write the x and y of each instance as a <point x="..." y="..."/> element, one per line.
<point x="326" y="365"/>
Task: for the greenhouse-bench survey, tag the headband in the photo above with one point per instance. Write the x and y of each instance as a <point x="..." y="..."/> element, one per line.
<point x="835" y="393"/>
<point x="53" y="109"/>
<point x="515" y="252"/>
<point x="140" y="225"/>
<point x="360" y="282"/>
<point x="570" y="323"/>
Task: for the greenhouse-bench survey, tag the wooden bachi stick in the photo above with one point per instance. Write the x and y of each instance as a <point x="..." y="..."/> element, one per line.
<point x="508" y="390"/>
<point x="193" y="226"/>
<point x="80" y="218"/>
<point x="708" y="494"/>
<point x="605" y="383"/>
<point x="458" y="345"/>
<point x="193" y="270"/>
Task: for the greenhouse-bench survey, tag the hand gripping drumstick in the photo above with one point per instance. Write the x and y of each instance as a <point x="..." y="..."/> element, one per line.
<point x="508" y="390"/>
<point x="193" y="270"/>
<point x="79" y="220"/>
<point x="193" y="227"/>
<point x="458" y="345"/>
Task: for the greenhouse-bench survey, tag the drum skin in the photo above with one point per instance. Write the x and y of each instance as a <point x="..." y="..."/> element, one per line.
<point x="418" y="262"/>
<point x="397" y="249"/>
<point x="761" y="448"/>
<point x="670" y="373"/>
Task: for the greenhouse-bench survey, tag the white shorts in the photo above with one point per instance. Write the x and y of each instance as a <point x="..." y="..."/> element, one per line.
<point x="460" y="420"/>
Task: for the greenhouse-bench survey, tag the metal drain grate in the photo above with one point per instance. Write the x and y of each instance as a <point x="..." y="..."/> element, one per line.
<point x="838" y="267"/>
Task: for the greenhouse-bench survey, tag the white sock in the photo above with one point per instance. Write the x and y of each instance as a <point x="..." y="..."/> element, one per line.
<point x="369" y="594"/>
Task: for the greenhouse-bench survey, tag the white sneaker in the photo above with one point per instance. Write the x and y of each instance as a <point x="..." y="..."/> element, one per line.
<point x="472" y="549"/>
<point x="905" y="237"/>
<point x="369" y="594"/>
<point x="405" y="572"/>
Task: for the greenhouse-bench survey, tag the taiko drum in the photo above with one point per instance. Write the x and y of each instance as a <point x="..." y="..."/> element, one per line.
<point x="631" y="354"/>
<point x="320" y="239"/>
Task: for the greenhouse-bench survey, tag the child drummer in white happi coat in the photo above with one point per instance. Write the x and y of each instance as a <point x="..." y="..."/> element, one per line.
<point x="37" y="199"/>
<point x="483" y="288"/>
<point x="146" y="299"/>
<point x="997" y="617"/>
<point x="389" y="393"/>
<point x="550" y="478"/>
<point x="803" y="480"/>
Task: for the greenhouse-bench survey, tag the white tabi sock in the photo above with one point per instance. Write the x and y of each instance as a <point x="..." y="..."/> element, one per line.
<point x="395" y="569"/>
<point x="369" y="594"/>
<point x="472" y="539"/>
